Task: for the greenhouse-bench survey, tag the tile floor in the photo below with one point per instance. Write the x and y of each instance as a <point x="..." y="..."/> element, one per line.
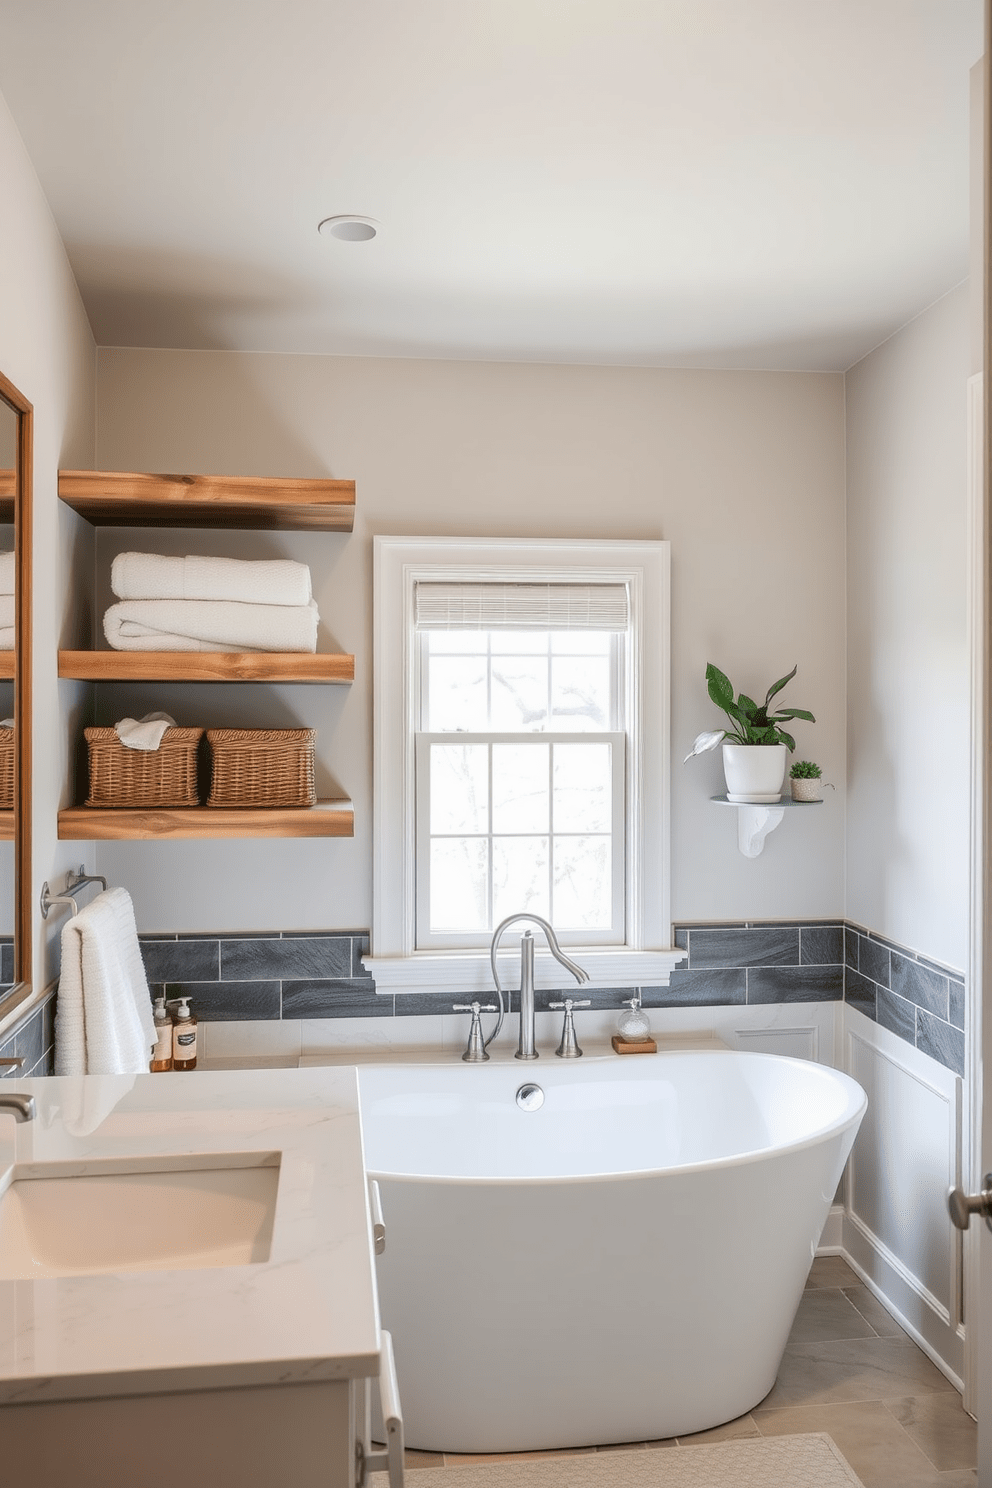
<point x="851" y="1371"/>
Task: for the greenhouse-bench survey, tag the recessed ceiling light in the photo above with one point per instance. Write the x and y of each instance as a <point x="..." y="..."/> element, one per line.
<point x="348" y="228"/>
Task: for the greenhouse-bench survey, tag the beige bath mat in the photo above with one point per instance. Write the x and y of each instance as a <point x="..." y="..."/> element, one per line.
<point x="809" y="1461"/>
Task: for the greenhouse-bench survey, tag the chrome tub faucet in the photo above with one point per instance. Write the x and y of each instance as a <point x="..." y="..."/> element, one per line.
<point x="526" y="1044"/>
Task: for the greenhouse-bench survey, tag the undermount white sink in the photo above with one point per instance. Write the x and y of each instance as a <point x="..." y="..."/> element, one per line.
<point x="152" y="1214"/>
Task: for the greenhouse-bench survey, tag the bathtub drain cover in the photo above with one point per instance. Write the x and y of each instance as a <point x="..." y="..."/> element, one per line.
<point x="530" y="1097"/>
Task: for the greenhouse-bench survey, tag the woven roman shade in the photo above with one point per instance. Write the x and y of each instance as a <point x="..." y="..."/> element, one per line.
<point x="521" y="607"/>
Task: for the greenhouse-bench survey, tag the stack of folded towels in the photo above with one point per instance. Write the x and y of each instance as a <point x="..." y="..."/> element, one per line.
<point x="6" y="601"/>
<point x="209" y="604"/>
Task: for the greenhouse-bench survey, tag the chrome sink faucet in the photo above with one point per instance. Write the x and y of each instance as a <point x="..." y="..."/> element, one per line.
<point x="22" y="1106"/>
<point x="525" y="1044"/>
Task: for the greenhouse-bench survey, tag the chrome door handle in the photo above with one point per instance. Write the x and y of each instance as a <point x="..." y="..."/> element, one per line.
<point x="962" y="1206"/>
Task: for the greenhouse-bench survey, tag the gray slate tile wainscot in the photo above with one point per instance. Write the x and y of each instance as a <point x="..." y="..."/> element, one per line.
<point x="299" y="974"/>
<point x="33" y="1040"/>
<point x="915" y="998"/>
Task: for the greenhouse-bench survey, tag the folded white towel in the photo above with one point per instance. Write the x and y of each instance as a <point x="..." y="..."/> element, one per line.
<point x="143" y="733"/>
<point x="7" y="638"/>
<point x="276" y="581"/>
<point x="6" y="611"/>
<point x="6" y="573"/>
<point x="209" y="625"/>
<point x="103" y="1019"/>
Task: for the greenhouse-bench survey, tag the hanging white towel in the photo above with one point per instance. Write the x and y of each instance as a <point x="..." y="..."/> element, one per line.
<point x="209" y="625"/>
<point x="6" y="573"/>
<point x="143" y="733"/>
<point x="7" y="638"/>
<point x="6" y="611"/>
<point x="103" y="1018"/>
<point x="274" y="581"/>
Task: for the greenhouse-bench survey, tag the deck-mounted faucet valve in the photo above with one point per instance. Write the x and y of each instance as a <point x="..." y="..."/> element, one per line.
<point x="475" y="1050"/>
<point x="569" y="1046"/>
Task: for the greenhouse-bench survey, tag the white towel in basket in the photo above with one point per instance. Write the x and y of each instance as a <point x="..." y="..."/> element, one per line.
<point x="103" y="1017"/>
<point x="209" y="625"/>
<point x="274" y="581"/>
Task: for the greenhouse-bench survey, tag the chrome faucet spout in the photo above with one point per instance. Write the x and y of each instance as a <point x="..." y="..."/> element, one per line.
<point x="526" y="1047"/>
<point x="22" y="1107"/>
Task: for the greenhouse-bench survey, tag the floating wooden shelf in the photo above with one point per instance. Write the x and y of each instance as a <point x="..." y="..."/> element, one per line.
<point x="111" y="498"/>
<point x="6" y="666"/>
<point x="88" y="823"/>
<point x="205" y="666"/>
<point x="6" y="826"/>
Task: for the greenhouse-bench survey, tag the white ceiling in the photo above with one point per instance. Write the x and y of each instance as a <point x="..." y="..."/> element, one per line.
<point x="759" y="183"/>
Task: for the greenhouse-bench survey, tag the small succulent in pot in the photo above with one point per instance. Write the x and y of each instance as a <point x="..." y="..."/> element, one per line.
<point x="805" y="776"/>
<point x="754" y="728"/>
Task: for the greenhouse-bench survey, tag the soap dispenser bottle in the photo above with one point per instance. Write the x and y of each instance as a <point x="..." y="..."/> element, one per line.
<point x="184" y="1038"/>
<point x="162" y="1052"/>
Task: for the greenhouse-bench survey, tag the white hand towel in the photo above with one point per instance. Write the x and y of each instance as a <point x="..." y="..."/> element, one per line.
<point x="276" y="581"/>
<point x="209" y="625"/>
<point x="6" y="573"/>
<point x="103" y="1020"/>
<point x="7" y="638"/>
<point x="6" y="611"/>
<point x="143" y="733"/>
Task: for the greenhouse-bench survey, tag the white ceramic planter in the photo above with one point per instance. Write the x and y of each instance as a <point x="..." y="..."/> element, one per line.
<point x="754" y="772"/>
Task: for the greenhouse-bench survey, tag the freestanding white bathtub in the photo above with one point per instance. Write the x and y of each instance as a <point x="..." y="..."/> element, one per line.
<point x="622" y="1264"/>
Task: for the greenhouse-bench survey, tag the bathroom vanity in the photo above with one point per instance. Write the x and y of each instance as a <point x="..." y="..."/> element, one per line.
<point x="187" y="1287"/>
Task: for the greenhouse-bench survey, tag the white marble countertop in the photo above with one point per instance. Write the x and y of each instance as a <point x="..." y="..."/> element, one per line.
<point x="307" y="1313"/>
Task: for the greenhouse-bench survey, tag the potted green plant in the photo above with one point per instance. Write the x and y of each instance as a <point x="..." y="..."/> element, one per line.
<point x="755" y="745"/>
<point x="805" y="778"/>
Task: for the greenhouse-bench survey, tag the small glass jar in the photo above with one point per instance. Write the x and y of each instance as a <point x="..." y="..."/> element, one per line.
<point x="632" y="1024"/>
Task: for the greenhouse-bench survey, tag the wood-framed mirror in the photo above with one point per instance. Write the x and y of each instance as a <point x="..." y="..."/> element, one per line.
<point x="16" y="450"/>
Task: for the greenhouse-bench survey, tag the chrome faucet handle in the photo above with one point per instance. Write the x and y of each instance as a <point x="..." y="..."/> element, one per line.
<point x="569" y="1046"/>
<point x="475" y="1049"/>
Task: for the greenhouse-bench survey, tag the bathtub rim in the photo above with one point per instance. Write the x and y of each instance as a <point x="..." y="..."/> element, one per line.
<point x="857" y="1104"/>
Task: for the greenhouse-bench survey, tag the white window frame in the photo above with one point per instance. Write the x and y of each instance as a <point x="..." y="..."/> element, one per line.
<point x="647" y="957"/>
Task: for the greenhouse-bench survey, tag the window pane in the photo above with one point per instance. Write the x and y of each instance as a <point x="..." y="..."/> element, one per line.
<point x="520" y="693"/>
<point x="581" y="642"/>
<point x="459" y="788"/>
<point x="457" y="642"/>
<point x="457" y="697"/>
<point x="520" y="876"/>
<point x="583" y="787"/>
<point x="459" y="884"/>
<point x="582" y="891"/>
<point x="521" y="788"/>
<point x="519" y="642"/>
<point x="580" y="693"/>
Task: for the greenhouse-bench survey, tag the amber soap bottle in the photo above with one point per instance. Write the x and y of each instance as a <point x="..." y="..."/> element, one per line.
<point x="162" y="1052"/>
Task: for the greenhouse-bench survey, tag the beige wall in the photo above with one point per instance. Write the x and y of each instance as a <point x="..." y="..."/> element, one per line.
<point x="908" y="667"/>
<point x="47" y="351"/>
<point x="744" y="473"/>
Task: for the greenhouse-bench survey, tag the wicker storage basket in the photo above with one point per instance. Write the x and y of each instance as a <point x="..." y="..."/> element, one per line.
<point x="143" y="777"/>
<point x="6" y="769"/>
<point x="261" y="767"/>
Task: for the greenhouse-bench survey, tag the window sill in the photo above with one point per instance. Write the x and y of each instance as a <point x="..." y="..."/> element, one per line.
<point x="469" y="973"/>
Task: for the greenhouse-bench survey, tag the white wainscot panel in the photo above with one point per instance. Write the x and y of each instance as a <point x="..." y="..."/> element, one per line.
<point x="898" y="1232"/>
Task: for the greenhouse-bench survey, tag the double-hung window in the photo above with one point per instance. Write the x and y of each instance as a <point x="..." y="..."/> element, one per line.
<point x="520" y="759"/>
<point x="521" y="703"/>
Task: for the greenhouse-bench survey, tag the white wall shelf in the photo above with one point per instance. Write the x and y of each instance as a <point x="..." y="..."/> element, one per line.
<point x="754" y="822"/>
